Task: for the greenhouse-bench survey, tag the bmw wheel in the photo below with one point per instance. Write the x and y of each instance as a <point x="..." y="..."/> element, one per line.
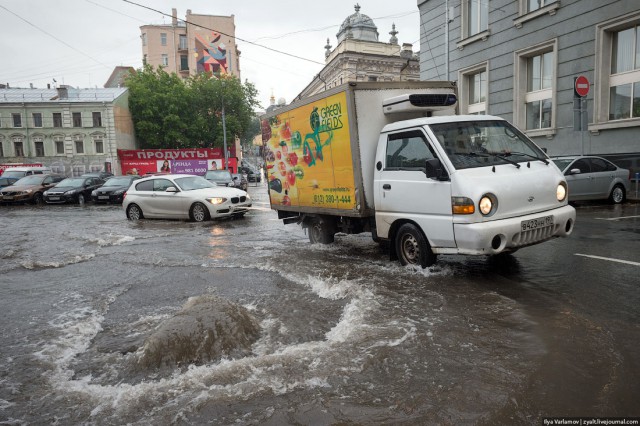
<point x="134" y="212"/>
<point x="199" y="212"/>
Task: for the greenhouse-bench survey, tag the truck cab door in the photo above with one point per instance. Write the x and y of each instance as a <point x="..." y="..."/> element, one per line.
<point x="404" y="192"/>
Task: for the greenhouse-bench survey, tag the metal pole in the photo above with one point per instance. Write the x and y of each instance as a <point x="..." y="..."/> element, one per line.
<point x="582" y="102"/>
<point x="224" y="138"/>
<point x="446" y="39"/>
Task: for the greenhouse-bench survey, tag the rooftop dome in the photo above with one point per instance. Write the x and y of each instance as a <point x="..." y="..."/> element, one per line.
<point x="358" y="26"/>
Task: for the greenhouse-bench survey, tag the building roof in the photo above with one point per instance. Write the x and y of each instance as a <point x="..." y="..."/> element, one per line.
<point x="57" y="95"/>
<point x="358" y="26"/>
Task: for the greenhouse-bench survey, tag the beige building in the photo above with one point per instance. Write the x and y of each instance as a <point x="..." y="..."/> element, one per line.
<point x="199" y="43"/>
<point x="360" y="56"/>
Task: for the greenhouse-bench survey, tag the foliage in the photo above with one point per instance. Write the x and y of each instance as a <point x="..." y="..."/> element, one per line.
<point x="251" y="132"/>
<point x="171" y="112"/>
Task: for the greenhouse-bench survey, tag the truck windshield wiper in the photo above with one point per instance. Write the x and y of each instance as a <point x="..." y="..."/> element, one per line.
<point x="544" y="160"/>
<point x="491" y="154"/>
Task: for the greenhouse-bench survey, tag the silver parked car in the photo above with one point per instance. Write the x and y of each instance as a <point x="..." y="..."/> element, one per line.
<point x="174" y="196"/>
<point x="594" y="178"/>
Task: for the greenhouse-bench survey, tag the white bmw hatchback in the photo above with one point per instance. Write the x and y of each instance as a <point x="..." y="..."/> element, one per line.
<point x="173" y="196"/>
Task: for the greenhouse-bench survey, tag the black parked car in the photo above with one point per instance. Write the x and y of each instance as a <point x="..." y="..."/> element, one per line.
<point x="253" y="175"/>
<point x="101" y="175"/>
<point x="73" y="190"/>
<point x="113" y="189"/>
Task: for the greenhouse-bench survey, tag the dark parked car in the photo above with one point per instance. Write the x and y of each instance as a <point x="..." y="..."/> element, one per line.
<point x="253" y="175"/>
<point x="219" y="177"/>
<point x="6" y="181"/>
<point x="594" y="178"/>
<point x="73" y="190"/>
<point x="101" y="175"/>
<point x="29" y="189"/>
<point x="113" y="189"/>
<point x="240" y="181"/>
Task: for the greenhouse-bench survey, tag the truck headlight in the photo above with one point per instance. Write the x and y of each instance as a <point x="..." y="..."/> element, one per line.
<point x="561" y="191"/>
<point x="488" y="204"/>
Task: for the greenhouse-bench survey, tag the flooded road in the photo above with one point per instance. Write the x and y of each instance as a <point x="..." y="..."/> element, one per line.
<point x="103" y="322"/>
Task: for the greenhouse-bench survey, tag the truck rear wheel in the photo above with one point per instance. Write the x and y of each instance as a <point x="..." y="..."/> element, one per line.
<point x="321" y="231"/>
<point x="412" y="247"/>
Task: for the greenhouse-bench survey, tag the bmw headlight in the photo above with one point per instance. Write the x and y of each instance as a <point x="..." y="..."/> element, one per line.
<point x="216" y="200"/>
<point x="488" y="204"/>
<point x="561" y="191"/>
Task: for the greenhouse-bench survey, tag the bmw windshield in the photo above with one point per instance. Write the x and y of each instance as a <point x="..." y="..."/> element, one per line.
<point x="482" y="143"/>
<point x="191" y="183"/>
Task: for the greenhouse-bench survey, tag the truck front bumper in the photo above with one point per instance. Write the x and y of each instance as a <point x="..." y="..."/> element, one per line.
<point x="510" y="234"/>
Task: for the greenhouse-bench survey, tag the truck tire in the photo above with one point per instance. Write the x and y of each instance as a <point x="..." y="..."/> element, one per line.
<point x="412" y="247"/>
<point x="321" y="231"/>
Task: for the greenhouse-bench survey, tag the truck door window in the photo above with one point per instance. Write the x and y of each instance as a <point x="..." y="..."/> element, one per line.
<point x="407" y="151"/>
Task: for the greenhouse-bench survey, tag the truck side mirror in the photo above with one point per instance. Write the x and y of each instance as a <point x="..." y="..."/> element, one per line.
<point x="435" y="170"/>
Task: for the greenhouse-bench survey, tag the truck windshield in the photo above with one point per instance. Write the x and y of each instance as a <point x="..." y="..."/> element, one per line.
<point x="482" y="143"/>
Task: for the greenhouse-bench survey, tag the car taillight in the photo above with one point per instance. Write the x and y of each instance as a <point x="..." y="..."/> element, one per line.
<point x="124" y="196"/>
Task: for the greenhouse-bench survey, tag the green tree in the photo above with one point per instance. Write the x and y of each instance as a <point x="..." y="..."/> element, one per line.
<point x="169" y="112"/>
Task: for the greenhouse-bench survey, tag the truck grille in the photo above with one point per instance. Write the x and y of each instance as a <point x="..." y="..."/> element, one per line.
<point x="533" y="236"/>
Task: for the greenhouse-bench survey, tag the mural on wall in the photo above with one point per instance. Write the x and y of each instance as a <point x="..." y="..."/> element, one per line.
<point x="212" y="56"/>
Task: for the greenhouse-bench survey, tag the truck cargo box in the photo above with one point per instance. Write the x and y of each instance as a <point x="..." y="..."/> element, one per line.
<point x="320" y="151"/>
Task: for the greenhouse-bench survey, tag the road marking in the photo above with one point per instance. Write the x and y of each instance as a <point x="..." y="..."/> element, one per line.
<point x="617" y="218"/>
<point x="628" y="262"/>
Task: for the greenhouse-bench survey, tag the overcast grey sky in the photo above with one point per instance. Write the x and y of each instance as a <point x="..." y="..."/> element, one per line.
<point x="79" y="42"/>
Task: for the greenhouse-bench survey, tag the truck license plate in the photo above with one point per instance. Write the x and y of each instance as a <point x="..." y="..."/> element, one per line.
<point x="540" y="222"/>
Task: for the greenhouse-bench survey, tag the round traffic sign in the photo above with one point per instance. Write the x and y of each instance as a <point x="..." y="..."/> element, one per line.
<point x="581" y="86"/>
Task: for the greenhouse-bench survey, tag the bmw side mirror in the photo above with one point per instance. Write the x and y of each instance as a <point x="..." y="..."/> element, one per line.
<point x="171" y="189"/>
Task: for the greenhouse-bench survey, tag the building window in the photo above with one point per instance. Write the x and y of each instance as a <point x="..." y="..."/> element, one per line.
<point x="17" y="119"/>
<point x="144" y="59"/>
<point x="57" y="119"/>
<point x="58" y="141"/>
<point x="532" y="9"/>
<point x="478" y="16"/>
<point x="18" y="149"/>
<point x="624" y="82"/>
<point x="1" y="149"/>
<point x="165" y="59"/>
<point x="616" y="85"/>
<point x="538" y="96"/>
<point x="97" y="119"/>
<point x="183" y="42"/>
<point x="473" y="89"/>
<point x="39" y="148"/>
<point x="144" y="39"/>
<point x="184" y="63"/>
<point x="534" y="89"/>
<point x="37" y="119"/>
<point x="77" y="119"/>
<point x="99" y="144"/>
<point x="475" y="19"/>
<point x="79" y="143"/>
<point x="163" y="39"/>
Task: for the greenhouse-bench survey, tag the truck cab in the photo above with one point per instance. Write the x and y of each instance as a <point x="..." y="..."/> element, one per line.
<point x="471" y="185"/>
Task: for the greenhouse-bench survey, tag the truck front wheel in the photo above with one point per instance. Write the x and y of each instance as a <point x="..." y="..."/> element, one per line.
<point x="321" y="231"/>
<point x="412" y="247"/>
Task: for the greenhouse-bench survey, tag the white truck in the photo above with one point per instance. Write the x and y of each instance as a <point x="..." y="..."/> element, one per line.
<point x="395" y="160"/>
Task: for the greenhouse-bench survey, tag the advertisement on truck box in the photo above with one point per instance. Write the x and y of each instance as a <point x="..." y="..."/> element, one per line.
<point x="308" y="155"/>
